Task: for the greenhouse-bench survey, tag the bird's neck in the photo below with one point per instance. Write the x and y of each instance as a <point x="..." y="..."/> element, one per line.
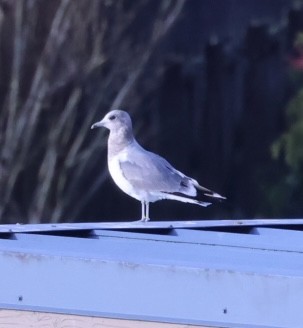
<point x="118" y="140"/>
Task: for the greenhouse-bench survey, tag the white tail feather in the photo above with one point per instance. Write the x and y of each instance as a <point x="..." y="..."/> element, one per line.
<point x="208" y="192"/>
<point x="215" y="195"/>
<point x="185" y="200"/>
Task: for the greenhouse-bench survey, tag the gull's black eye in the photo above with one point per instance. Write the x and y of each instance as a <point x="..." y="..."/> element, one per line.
<point x="112" y="117"/>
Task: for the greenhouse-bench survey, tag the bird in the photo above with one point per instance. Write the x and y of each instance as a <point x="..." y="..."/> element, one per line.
<point x="142" y="174"/>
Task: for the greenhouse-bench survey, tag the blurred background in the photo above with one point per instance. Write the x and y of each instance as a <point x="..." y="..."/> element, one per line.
<point x="216" y="87"/>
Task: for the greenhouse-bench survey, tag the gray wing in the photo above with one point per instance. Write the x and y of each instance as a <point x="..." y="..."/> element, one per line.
<point x="150" y="172"/>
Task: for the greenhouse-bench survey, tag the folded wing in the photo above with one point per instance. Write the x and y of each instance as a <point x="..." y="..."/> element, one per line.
<point x="152" y="173"/>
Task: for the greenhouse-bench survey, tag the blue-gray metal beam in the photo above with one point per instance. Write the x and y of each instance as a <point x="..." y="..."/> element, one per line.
<point x="183" y="277"/>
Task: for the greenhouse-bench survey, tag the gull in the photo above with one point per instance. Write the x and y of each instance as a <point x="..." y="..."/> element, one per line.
<point x="142" y="174"/>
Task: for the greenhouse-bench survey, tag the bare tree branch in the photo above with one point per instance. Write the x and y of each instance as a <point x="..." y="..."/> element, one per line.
<point x="89" y="60"/>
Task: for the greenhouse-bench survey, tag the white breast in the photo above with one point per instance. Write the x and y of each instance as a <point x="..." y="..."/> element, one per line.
<point x="118" y="177"/>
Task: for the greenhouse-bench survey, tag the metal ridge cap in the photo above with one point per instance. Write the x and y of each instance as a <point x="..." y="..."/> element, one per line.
<point x="185" y="224"/>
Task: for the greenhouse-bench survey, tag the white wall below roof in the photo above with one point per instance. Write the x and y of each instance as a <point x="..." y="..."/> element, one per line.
<point x="30" y="319"/>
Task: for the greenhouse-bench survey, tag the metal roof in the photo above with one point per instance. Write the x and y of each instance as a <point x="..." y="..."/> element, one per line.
<point x="224" y="273"/>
